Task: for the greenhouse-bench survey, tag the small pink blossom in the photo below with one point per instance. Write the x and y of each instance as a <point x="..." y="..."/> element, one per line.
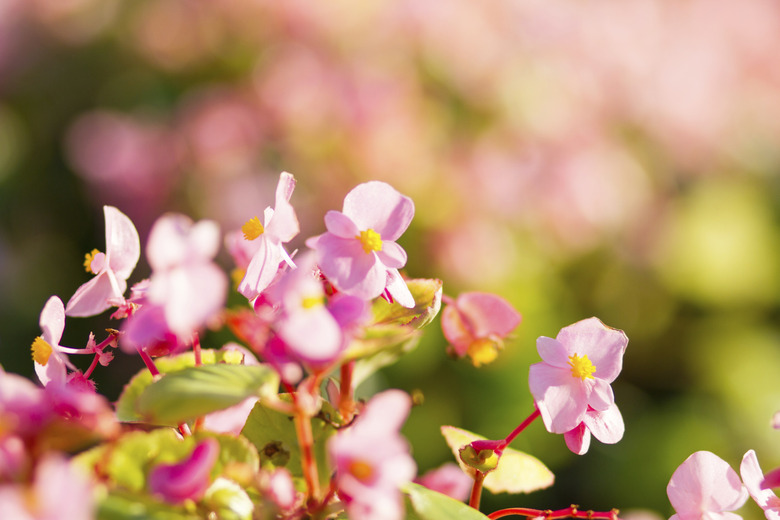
<point x="372" y="459"/>
<point x="475" y="324"/>
<point x="185" y="283"/>
<point x="607" y="426"/>
<point x="51" y="361"/>
<point x="280" y="225"/>
<point x="188" y="479"/>
<point x="576" y="371"/>
<point x="705" y="487"/>
<point x="111" y="269"/>
<point x="753" y="478"/>
<point x="281" y="489"/>
<point x="358" y="253"/>
<point x="448" y="479"/>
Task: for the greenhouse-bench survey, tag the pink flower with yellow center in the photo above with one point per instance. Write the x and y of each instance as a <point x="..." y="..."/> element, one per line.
<point x="576" y="372"/>
<point x="51" y="360"/>
<point x="358" y="253"/>
<point x="705" y="487"/>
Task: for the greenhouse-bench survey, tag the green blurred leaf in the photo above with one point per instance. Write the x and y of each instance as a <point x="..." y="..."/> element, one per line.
<point x="426" y="504"/>
<point x="517" y="472"/>
<point x="195" y="391"/>
<point x="427" y="298"/>
<point x="122" y="505"/>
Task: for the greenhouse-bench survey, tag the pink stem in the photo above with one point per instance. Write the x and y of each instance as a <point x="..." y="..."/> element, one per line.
<point x="523" y="425"/>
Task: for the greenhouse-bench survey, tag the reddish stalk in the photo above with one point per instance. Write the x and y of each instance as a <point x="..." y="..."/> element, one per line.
<point x="149" y="362"/>
<point x="306" y="442"/>
<point x="476" y="490"/>
<point x="548" y="514"/>
<point x="196" y="349"/>
<point x="92" y="366"/>
<point x="523" y="425"/>
<point x="346" y="402"/>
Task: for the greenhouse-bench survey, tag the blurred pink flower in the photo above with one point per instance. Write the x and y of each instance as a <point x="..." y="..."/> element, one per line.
<point x="705" y="487"/>
<point x="754" y="481"/>
<point x="476" y="323"/>
<point x="372" y="459"/>
<point x="282" y="489"/>
<point x="576" y="371"/>
<point x="185" y="283"/>
<point x="607" y="426"/>
<point x="359" y="250"/>
<point x="23" y="407"/>
<point x="448" y="479"/>
<point x="279" y="225"/>
<point x="51" y="362"/>
<point x="112" y="268"/>
<point x="188" y="479"/>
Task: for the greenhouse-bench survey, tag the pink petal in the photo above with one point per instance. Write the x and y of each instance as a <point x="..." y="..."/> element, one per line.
<point x="312" y="334"/>
<point x="398" y="289"/>
<point x="455" y="330"/>
<point x="603" y="345"/>
<point x="284" y="188"/>
<point x="230" y="420"/>
<point x="123" y="247"/>
<point x="340" y="225"/>
<point x="448" y="479"/>
<point x="553" y="352"/>
<point x="349" y="268"/>
<point x="705" y="483"/>
<point x="488" y="313"/>
<point x="386" y="411"/>
<point x="606" y="426"/>
<point x="377" y="205"/>
<point x="187" y="479"/>
<point x="752" y="477"/>
<point x="601" y="396"/>
<point x="578" y="439"/>
<point x="261" y="270"/>
<point x="392" y="255"/>
<point x="93" y="297"/>
<point x="54" y="372"/>
<point x="52" y="321"/>
<point x="771" y="479"/>
<point x="561" y="400"/>
<point x="62" y="490"/>
<point x="283" y="226"/>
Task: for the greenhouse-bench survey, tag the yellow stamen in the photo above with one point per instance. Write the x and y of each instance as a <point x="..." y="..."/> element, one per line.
<point x="361" y="470"/>
<point x="41" y="351"/>
<point x="581" y="367"/>
<point x="252" y="228"/>
<point x="370" y="240"/>
<point x="483" y="351"/>
<point x="88" y="258"/>
<point x="312" y="301"/>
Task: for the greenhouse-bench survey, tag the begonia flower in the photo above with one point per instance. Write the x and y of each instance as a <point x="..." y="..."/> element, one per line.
<point x="476" y="323"/>
<point x="280" y="225"/>
<point x="705" y="487"/>
<point x="51" y="361"/>
<point x="576" y="371"/>
<point x="607" y="426"/>
<point x="358" y="253"/>
<point x="185" y="282"/>
<point x="753" y="478"/>
<point x="188" y="479"/>
<point x="372" y="459"/>
<point x="23" y="407"/>
<point x="448" y="479"/>
<point x="111" y="269"/>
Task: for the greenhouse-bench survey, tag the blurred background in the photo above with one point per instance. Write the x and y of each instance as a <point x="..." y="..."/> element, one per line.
<point x="609" y="158"/>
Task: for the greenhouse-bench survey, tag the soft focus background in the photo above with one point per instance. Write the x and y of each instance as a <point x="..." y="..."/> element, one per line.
<point x="609" y="158"/>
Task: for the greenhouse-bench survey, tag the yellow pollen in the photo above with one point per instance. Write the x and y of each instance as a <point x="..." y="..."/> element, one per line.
<point x="370" y="240"/>
<point x="312" y="301"/>
<point x="581" y="367"/>
<point x="361" y="470"/>
<point x="88" y="260"/>
<point x="483" y="351"/>
<point x="41" y="351"/>
<point x="252" y="228"/>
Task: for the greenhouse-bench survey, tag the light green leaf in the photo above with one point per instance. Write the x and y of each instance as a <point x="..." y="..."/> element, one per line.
<point x="427" y="297"/>
<point x="426" y="504"/>
<point x="517" y="472"/>
<point x="192" y="392"/>
<point x="123" y="505"/>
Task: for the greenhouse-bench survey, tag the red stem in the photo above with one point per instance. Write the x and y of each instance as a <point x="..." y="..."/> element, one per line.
<point x="523" y="425"/>
<point x="92" y="366"/>
<point x="476" y="490"/>
<point x="346" y="402"/>
<point x="196" y="349"/>
<point x="548" y="514"/>
<point x="148" y="362"/>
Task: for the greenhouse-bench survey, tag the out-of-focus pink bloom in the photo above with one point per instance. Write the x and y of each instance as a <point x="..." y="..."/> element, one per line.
<point x="776" y="420"/>
<point x="705" y="487"/>
<point x="607" y="426"/>
<point x="576" y="371"/>
<point x="59" y="490"/>
<point x="372" y="459"/>
<point x="51" y="363"/>
<point x="189" y="287"/>
<point x="81" y="407"/>
<point x="448" y="479"/>
<point x="475" y="323"/>
<point x="281" y="488"/>
<point x="187" y="479"/>
<point x="359" y="249"/>
<point x="148" y="330"/>
<point x="13" y="456"/>
<point x="112" y="268"/>
<point x="279" y="226"/>
<point x="754" y="481"/>
<point x="23" y="408"/>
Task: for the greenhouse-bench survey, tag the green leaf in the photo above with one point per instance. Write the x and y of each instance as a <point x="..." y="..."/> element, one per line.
<point x="274" y="435"/>
<point x="192" y="392"/>
<point x="123" y="505"/>
<point x="426" y="504"/>
<point x="517" y="472"/>
<point x="427" y="298"/>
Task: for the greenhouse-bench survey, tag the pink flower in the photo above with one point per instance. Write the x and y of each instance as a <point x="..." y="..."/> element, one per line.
<point x="280" y="225"/>
<point x="576" y="371"/>
<point x="705" y="487"/>
<point x="607" y="426"/>
<point x="448" y="479"/>
<point x="185" y="283"/>
<point x="187" y="479"/>
<point x="112" y="268"/>
<point x="358" y="253"/>
<point x="372" y="459"/>
<point x="476" y="323"/>
<point x="754" y="481"/>
<point x="50" y="360"/>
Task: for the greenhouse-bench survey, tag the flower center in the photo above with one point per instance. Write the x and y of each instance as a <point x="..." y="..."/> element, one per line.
<point x="252" y="228"/>
<point x="581" y="367"/>
<point x="483" y="351"/>
<point x="88" y="259"/>
<point x="370" y="240"/>
<point x="361" y="470"/>
<point x="312" y="301"/>
<point x="41" y="351"/>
